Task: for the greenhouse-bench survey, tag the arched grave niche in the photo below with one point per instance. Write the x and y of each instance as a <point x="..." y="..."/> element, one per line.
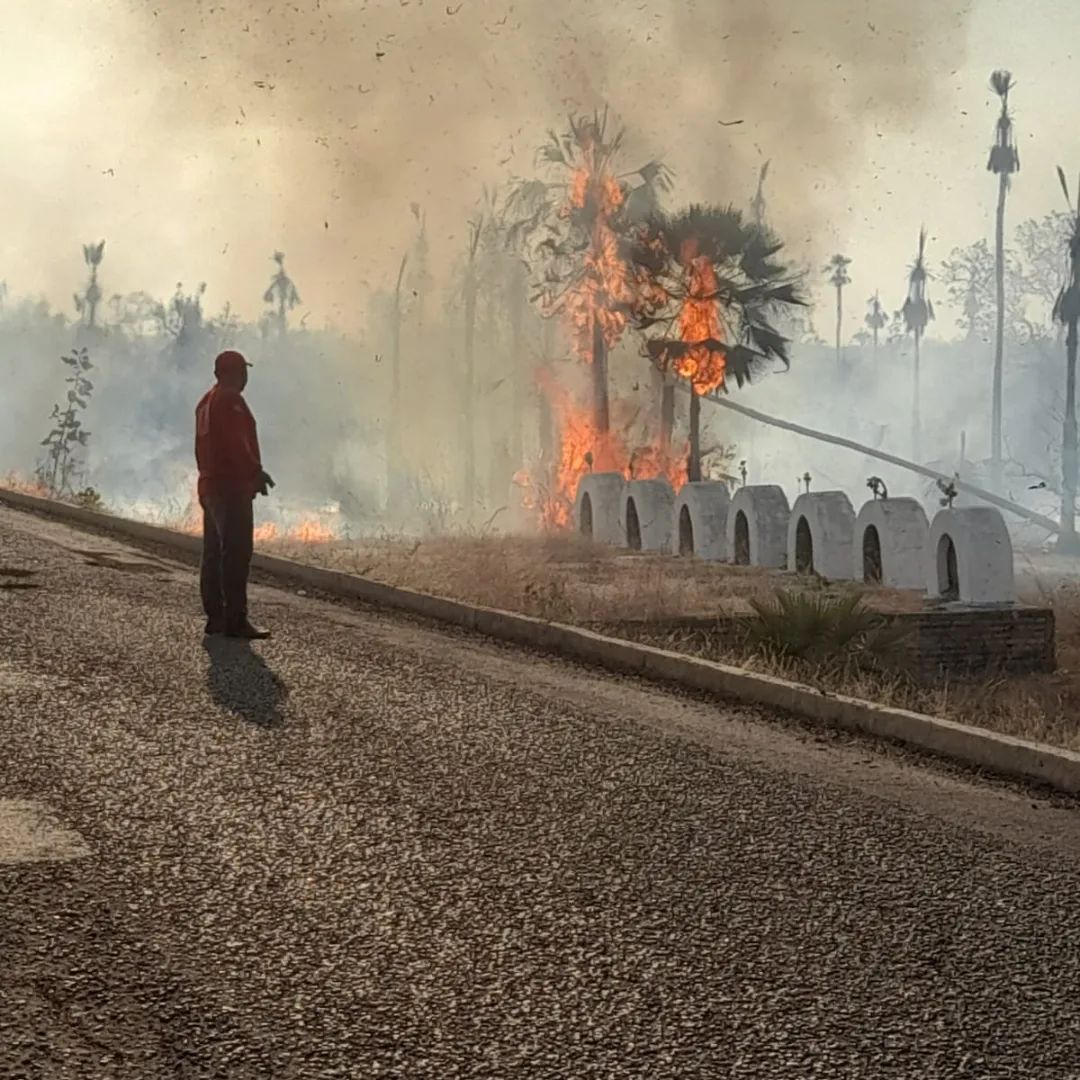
<point x="701" y="517"/>
<point x="757" y="526"/>
<point x="891" y="536"/>
<point x="969" y="556"/>
<point x="646" y="515"/>
<point x="820" y="533"/>
<point x="597" y="507"/>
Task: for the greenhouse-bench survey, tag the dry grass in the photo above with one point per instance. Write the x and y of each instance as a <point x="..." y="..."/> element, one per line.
<point x="567" y="578"/>
<point x="1043" y="708"/>
<point x="563" y="577"/>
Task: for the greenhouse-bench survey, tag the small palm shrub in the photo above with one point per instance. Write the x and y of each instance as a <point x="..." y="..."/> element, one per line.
<point x="822" y="631"/>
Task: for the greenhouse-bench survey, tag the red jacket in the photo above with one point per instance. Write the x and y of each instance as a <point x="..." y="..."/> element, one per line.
<point x="226" y="445"/>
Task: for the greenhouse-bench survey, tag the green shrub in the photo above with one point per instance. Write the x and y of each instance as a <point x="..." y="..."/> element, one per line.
<point x="89" y="499"/>
<point x="823" y="631"/>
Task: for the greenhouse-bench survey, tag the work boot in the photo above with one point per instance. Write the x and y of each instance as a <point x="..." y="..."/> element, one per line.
<point x="248" y="632"/>
<point x="214" y="627"/>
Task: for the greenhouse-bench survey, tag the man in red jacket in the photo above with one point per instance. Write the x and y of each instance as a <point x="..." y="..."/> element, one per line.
<point x="230" y="476"/>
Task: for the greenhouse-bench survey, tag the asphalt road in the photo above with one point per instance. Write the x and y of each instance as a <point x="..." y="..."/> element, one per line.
<point x="369" y="847"/>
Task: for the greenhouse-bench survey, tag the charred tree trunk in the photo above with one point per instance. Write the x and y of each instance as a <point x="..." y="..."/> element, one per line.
<point x="468" y="417"/>
<point x="999" y="336"/>
<point x="667" y="410"/>
<point x="393" y="428"/>
<point x="694" y="462"/>
<point x="1068" y="542"/>
<point x="601" y="415"/>
<point x="1043" y="522"/>
<point x="916" y="418"/>
<point x="839" y="324"/>
<point x="518" y="300"/>
<point x="545" y="419"/>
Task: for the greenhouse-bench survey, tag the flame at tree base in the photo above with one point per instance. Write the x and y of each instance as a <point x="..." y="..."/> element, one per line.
<point x="549" y="492"/>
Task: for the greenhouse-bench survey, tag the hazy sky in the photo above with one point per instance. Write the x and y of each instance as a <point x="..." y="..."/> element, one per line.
<point x="142" y="123"/>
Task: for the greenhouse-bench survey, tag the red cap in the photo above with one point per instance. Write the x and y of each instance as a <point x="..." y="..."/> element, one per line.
<point x="229" y="360"/>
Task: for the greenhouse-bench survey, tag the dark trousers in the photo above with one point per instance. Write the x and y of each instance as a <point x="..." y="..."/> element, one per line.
<point x="228" y="540"/>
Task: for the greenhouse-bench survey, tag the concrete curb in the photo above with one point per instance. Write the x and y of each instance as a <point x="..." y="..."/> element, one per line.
<point x="986" y="750"/>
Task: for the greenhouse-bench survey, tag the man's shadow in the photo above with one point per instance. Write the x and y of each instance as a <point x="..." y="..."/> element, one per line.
<point x="239" y="681"/>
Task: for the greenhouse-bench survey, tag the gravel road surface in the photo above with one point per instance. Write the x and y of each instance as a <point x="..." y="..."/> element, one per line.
<point x="375" y="848"/>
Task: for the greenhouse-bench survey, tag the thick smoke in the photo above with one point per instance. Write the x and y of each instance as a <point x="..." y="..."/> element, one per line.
<point x="314" y="126"/>
<point x="344" y="112"/>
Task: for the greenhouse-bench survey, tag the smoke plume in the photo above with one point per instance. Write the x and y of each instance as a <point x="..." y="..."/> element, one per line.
<point x="337" y="114"/>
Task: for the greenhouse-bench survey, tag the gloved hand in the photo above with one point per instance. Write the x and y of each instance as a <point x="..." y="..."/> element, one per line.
<point x="266" y="481"/>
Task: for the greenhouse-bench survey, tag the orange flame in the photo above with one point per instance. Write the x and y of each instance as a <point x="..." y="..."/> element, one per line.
<point x="604" y="295"/>
<point x="310" y="531"/>
<point x="699" y="321"/>
<point x="307" y="531"/>
<point x="605" y="292"/>
<point x="24" y="487"/>
<point x="584" y="449"/>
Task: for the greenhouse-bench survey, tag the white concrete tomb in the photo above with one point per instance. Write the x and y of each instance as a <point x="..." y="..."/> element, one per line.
<point x="597" y="506"/>
<point x="890" y="544"/>
<point x="648" y="507"/>
<point x="700" y="521"/>
<point x="820" y="534"/>
<point x="757" y="526"/>
<point x="969" y="556"/>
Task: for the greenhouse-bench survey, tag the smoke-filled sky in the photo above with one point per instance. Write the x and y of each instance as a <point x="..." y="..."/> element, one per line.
<point x="196" y="136"/>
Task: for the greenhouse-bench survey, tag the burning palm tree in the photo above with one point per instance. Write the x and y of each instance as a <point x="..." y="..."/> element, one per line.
<point x="282" y="292"/>
<point x="576" y="232"/>
<point x="1004" y="161"/>
<point x="876" y="320"/>
<point x="720" y="285"/>
<point x="1067" y="312"/>
<point x="917" y="313"/>
<point x="838" y="277"/>
<point x="590" y="217"/>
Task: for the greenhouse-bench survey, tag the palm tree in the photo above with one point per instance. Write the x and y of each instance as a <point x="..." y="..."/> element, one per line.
<point x="876" y="320"/>
<point x="1004" y="161"/>
<point x="917" y="313"/>
<point x="838" y="277"/>
<point x="589" y="217"/>
<point x="87" y="304"/>
<point x="283" y="292"/>
<point x="1067" y="312"/>
<point x="718" y="290"/>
